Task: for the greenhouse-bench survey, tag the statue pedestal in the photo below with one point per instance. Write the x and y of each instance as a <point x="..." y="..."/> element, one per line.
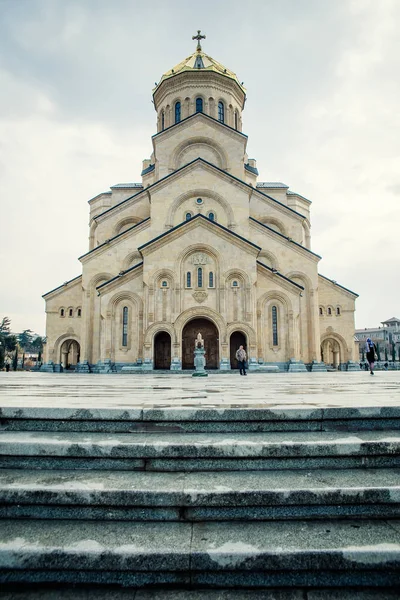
<point x="199" y="363"/>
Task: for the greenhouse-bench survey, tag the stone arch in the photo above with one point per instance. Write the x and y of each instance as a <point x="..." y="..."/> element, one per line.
<point x="155" y="328"/>
<point x="124" y="295"/>
<point x="306" y="280"/>
<point x="336" y="337"/>
<point x="162" y="301"/>
<point x="114" y="327"/>
<point x="92" y="231"/>
<point x="201" y="248"/>
<point x="98" y="278"/>
<point x="275" y="224"/>
<point x="307" y="316"/>
<point x="124" y="224"/>
<point x="201" y="312"/>
<point x="272" y="295"/>
<point x="271" y="259"/>
<point x="162" y="274"/>
<point x="284" y="348"/>
<point x="133" y="258"/>
<point x="237" y="297"/>
<point x="182" y="148"/>
<point x="306" y="235"/>
<point x="60" y="340"/>
<point x="201" y="193"/>
<point x="244" y="328"/>
<point x="238" y="274"/>
<point x="173" y="107"/>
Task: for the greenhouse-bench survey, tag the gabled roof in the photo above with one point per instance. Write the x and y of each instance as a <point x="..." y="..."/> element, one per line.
<point x="190" y="221"/>
<point x="272" y="184"/>
<point x="288" y="239"/>
<point x="201" y="114"/>
<point x="392" y="320"/>
<point x="121" y="274"/>
<point x="205" y="162"/>
<point x="114" y="238"/>
<point x="62" y="286"/>
<point x="275" y="272"/>
<point x="338" y="285"/>
<point x="127" y="185"/>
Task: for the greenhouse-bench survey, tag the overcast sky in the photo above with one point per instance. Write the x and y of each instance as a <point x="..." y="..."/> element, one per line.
<point x="322" y="115"/>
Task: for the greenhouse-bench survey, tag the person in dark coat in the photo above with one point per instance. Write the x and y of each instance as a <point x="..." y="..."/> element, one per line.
<point x="370" y="350"/>
<point x="241" y="358"/>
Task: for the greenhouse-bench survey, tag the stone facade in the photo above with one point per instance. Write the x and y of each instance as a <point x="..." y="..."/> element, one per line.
<point x="199" y="246"/>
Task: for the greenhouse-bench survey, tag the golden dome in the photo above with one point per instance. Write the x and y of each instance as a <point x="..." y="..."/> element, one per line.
<point x="199" y="61"/>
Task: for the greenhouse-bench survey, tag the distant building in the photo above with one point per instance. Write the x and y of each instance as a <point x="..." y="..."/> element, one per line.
<point x="385" y="336"/>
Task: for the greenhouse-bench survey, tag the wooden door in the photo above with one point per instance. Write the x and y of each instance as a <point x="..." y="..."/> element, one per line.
<point x="162" y="351"/>
<point x="211" y="343"/>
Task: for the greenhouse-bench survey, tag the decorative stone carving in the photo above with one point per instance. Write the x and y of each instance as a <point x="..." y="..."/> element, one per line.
<point x="200" y="296"/>
<point x="199" y="342"/>
<point x="200" y="258"/>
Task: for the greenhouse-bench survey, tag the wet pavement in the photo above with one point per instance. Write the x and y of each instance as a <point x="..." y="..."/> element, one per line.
<point x="258" y="390"/>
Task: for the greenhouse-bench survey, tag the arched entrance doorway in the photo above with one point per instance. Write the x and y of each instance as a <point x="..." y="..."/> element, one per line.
<point x="237" y="339"/>
<point x="331" y="353"/>
<point x="162" y="350"/>
<point x="69" y="354"/>
<point x="210" y="335"/>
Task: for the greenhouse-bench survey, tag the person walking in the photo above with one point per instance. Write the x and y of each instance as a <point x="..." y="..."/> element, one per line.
<point x="241" y="358"/>
<point x="370" y="350"/>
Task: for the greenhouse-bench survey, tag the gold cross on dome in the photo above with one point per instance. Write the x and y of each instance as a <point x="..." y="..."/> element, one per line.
<point x="198" y="37"/>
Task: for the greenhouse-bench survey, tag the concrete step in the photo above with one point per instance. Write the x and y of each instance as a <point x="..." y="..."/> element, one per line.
<point x="247" y="496"/>
<point x="199" y="452"/>
<point x="228" y="419"/>
<point x="229" y="555"/>
<point x="115" y="593"/>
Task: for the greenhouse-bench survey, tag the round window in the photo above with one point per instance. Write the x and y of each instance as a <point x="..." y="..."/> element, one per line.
<point x="199" y="200"/>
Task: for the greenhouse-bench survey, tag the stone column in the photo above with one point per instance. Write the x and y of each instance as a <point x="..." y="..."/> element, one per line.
<point x="295" y="364"/>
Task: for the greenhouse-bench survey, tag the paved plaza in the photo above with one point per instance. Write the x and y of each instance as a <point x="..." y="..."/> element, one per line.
<point x="275" y="391"/>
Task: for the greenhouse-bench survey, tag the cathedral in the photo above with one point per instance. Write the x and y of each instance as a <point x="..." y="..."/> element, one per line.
<point x="199" y="246"/>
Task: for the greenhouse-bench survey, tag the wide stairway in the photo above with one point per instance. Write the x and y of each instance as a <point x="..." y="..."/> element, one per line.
<point x="200" y="500"/>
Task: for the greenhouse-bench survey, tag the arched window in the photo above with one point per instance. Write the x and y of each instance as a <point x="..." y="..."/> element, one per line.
<point x="211" y="216"/>
<point x="177" y="112"/>
<point x="70" y="312"/>
<point x="79" y="312"/>
<point x="329" y="310"/>
<point x="338" y="310"/>
<point x="162" y="121"/>
<point x="236" y="119"/>
<point x="221" y="112"/>
<point x="321" y="312"/>
<point x="62" y="313"/>
<point x="274" y="326"/>
<point x="199" y="104"/>
<point x="188" y="216"/>
<point x="211" y="279"/>
<point x="125" y="326"/>
<point x="235" y="284"/>
<point x="188" y="279"/>
<point x="164" y="284"/>
<point x="199" y="277"/>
